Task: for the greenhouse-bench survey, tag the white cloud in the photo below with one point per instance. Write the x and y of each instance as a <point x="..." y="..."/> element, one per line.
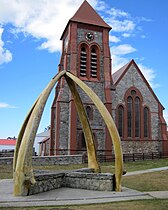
<point x="120" y="58"/>
<point x="143" y="36"/>
<point x="118" y="62"/>
<point x="42" y="19"/>
<point x="120" y="20"/>
<point x="149" y="74"/>
<point x="46" y="19"/>
<point x="126" y="35"/>
<point x="117" y="13"/>
<point x="125" y="26"/>
<point x="99" y="5"/>
<point x="5" y="105"/>
<point x="143" y="19"/>
<point x="5" y="55"/>
<point x="114" y="39"/>
<point x="122" y="49"/>
<point x="165" y="114"/>
<point x="121" y="25"/>
<point x="118" y="53"/>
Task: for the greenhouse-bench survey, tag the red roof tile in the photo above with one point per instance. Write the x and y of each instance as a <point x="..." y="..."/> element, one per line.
<point x="10" y="142"/>
<point x="86" y="14"/>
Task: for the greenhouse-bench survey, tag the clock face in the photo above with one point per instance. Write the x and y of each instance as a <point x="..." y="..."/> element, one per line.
<point x="89" y="36"/>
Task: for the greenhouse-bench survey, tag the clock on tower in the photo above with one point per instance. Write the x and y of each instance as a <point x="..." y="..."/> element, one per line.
<point x="89" y="36"/>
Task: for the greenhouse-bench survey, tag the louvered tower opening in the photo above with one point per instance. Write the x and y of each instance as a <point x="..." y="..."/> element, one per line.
<point x="93" y="63"/>
<point x="83" y="59"/>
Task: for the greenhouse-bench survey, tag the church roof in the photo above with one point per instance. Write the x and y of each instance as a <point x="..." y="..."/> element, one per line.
<point x="86" y="14"/>
<point x="120" y="72"/>
<point x="118" y="75"/>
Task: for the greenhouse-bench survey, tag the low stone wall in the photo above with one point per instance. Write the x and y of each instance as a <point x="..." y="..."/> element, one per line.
<point x="6" y="160"/>
<point x="89" y="181"/>
<point x="57" y="160"/>
<point x="82" y="179"/>
<point x="48" y="160"/>
<point x="46" y="182"/>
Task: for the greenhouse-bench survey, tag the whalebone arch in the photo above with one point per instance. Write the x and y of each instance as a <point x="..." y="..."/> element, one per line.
<point x="22" y="165"/>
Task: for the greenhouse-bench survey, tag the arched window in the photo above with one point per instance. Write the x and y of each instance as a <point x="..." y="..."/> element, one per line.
<point x="89" y="112"/>
<point x="138" y="124"/>
<point x="83" y="62"/>
<point x="89" y="64"/>
<point x="83" y="142"/>
<point x="93" y="63"/>
<point x="146" y="122"/>
<point x="134" y="100"/>
<point x="137" y="117"/>
<point x="129" y="116"/>
<point x="120" y="120"/>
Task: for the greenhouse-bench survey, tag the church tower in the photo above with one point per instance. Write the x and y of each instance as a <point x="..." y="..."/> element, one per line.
<point x="86" y="54"/>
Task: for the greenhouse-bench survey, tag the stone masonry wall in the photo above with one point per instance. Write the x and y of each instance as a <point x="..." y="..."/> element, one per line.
<point x="63" y="103"/>
<point x="89" y="181"/>
<point x="141" y="146"/>
<point x="132" y="78"/>
<point x="80" y="179"/>
<point x="48" y="160"/>
<point x="97" y="123"/>
<point x="46" y="182"/>
<point x="64" y="126"/>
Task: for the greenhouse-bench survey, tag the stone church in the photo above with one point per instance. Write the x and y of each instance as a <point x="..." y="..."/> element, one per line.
<point x="127" y="95"/>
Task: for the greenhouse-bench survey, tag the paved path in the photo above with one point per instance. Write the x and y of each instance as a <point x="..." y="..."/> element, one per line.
<point x="65" y="196"/>
<point x="69" y="196"/>
<point x="146" y="171"/>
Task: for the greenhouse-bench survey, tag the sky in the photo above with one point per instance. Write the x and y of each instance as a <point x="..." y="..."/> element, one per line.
<point x="30" y="49"/>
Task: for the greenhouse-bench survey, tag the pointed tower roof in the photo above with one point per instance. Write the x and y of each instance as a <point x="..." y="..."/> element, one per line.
<point x="86" y="14"/>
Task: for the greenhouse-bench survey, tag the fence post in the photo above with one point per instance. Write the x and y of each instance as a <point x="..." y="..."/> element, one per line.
<point x="133" y="157"/>
<point x="160" y="155"/>
<point x="124" y="157"/>
<point x="152" y="155"/>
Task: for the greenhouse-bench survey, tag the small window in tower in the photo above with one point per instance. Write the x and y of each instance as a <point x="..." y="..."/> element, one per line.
<point x="89" y="112"/>
<point x="93" y="63"/>
<point x="83" y="59"/>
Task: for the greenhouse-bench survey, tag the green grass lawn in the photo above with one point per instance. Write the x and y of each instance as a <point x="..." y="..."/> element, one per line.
<point x="6" y="170"/>
<point x="157" y="204"/>
<point x="136" y="165"/>
<point x="155" y="181"/>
